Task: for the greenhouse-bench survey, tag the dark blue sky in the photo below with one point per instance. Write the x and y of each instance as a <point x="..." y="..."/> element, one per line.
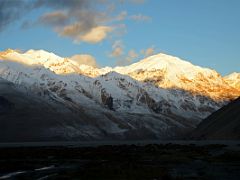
<point x="204" y="32"/>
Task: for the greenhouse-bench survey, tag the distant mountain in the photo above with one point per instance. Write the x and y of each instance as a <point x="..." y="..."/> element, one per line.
<point x="233" y="80"/>
<point x="222" y="124"/>
<point x="159" y="97"/>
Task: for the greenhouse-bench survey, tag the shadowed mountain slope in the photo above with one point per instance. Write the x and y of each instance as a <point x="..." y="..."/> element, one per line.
<point x="25" y="116"/>
<point x="222" y="124"/>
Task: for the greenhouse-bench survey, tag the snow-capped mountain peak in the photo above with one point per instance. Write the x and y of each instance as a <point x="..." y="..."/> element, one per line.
<point x="159" y="61"/>
<point x="42" y="55"/>
<point x="50" y="61"/>
<point x="165" y="62"/>
<point x="167" y="71"/>
<point x="233" y="76"/>
<point x="233" y="80"/>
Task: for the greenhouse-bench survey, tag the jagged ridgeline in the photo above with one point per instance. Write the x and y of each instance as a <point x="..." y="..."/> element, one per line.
<point x="160" y="97"/>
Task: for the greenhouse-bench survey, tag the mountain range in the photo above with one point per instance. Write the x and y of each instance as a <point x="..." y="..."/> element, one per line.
<point x="46" y="97"/>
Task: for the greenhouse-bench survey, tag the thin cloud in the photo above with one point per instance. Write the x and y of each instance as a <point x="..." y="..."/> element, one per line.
<point x="117" y="49"/>
<point x="78" y="32"/>
<point x="140" y="17"/>
<point x="121" y="16"/>
<point x="133" y="1"/>
<point x="137" y="1"/>
<point x="56" y="18"/>
<point x="62" y="4"/>
<point x="132" y="54"/>
<point x="96" y="35"/>
<point x="85" y="59"/>
<point x="148" y="52"/>
<point x="122" y="59"/>
<point x="128" y="59"/>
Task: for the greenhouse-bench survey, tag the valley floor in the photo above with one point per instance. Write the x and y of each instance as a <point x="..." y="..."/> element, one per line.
<point x="123" y="161"/>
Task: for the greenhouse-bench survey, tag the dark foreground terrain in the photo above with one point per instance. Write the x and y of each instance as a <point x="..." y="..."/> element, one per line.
<point x="153" y="161"/>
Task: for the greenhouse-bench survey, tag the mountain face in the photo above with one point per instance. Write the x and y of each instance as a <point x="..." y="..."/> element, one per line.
<point x="26" y="116"/>
<point x="222" y="124"/>
<point x="233" y="80"/>
<point x="159" y="97"/>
